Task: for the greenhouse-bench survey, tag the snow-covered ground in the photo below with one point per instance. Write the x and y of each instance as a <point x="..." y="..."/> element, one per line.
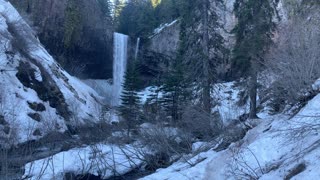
<point x="278" y="148"/>
<point x="227" y="95"/>
<point x="102" y="87"/>
<point x="20" y="45"/>
<point x="101" y="159"/>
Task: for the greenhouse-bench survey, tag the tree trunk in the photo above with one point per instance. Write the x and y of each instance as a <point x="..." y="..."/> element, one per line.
<point x="253" y="95"/>
<point x="205" y="45"/>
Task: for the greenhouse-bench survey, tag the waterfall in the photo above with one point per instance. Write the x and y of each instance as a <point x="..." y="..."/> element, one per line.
<point x="119" y="66"/>
<point x="137" y="49"/>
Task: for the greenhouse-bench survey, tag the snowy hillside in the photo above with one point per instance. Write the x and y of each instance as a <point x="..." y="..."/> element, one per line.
<point x="37" y="95"/>
<point x="278" y="148"/>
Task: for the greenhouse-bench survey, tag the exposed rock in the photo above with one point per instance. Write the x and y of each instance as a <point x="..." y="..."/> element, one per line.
<point x="2" y="120"/>
<point x="166" y="40"/>
<point x="46" y="89"/>
<point x="37" y="106"/>
<point x="37" y="132"/>
<point x="35" y="116"/>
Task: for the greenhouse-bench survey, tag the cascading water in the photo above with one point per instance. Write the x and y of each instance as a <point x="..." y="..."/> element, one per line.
<point x="119" y="66"/>
<point x="137" y="49"/>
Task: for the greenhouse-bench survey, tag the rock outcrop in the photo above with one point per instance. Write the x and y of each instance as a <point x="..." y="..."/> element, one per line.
<point x="166" y="39"/>
<point x="37" y="96"/>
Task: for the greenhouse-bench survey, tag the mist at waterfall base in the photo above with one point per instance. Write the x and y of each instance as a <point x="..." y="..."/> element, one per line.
<point x="112" y="90"/>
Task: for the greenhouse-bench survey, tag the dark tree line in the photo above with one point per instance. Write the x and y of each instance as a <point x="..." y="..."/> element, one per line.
<point x="254" y="33"/>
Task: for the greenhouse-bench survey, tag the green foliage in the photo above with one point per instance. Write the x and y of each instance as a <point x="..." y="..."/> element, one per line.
<point x="155" y="3"/>
<point x="176" y="91"/>
<point x="137" y="18"/>
<point x="117" y="10"/>
<point x="141" y="17"/>
<point x="202" y="46"/>
<point x="105" y="6"/>
<point x="253" y="33"/>
<point x="72" y="23"/>
<point x="130" y="105"/>
<point x="167" y="11"/>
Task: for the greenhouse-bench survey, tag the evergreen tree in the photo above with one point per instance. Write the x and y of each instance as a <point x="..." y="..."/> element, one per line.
<point x="201" y="45"/>
<point x="130" y="100"/>
<point x="167" y="11"/>
<point x="176" y="91"/>
<point x="254" y="35"/>
<point x="105" y="6"/>
<point x="117" y="9"/>
<point x="137" y="18"/>
<point x="155" y="3"/>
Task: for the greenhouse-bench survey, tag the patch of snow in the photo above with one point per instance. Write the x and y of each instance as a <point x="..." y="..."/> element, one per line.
<point x="148" y="92"/>
<point x="316" y="85"/>
<point x="162" y="27"/>
<point x="227" y="96"/>
<point x="101" y="159"/>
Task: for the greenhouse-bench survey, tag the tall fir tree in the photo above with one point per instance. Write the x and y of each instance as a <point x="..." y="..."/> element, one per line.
<point x="202" y="46"/>
<point x="130" y="99"/>
<point x="253" y="37"/>
<point x="117" y="9"/>
<point x="176" y="92"/>
<point x="106" y="7"/>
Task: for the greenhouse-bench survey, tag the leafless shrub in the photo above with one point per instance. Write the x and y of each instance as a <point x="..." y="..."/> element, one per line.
<point x="9" y="135"/>
<point x="201" y="124"/>
<point x="240" y="168"/>
<point x="77" y="70"/>
<point x="163" y="142"/>
<point x="295" y="60"/>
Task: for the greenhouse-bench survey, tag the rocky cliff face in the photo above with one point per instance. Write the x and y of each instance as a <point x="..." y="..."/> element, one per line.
<point x="37" y="96"/>
<point x="166" y="39"/>
<point x="76" y="32"/>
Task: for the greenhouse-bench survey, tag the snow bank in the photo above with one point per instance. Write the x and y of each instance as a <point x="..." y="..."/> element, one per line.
<point x="102" y="159"/>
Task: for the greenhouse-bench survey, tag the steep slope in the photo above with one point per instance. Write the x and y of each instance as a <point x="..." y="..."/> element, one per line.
<point x="78" y="33"/>
<point x="278" y="148"/>
<point x="37" y="95"/>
